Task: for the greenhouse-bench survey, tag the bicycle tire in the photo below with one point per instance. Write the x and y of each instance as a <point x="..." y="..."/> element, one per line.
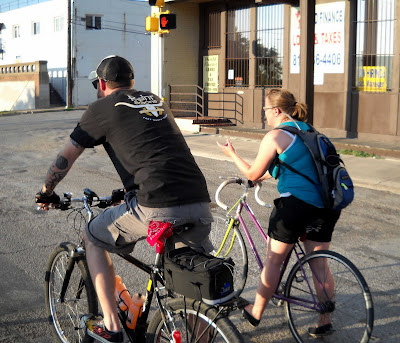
<point x="216" y="327"/>
<point x="80" y="297"/>
<point x="352" y="315"/>
<point x="237" y="251"/>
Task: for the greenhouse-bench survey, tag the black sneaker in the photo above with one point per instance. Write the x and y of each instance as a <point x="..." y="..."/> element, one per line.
<point x="96" y="329"/>
<point x="321" y="331"/>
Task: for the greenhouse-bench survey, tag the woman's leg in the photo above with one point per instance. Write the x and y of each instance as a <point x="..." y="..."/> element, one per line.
<point x="275" y="256"/>
<point x="323" y="279"/>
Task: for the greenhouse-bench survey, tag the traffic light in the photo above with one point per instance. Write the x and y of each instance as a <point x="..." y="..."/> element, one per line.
<point x="158" y="3"/>
<point x="167" y="21"/>
<point x="152" y="24"/>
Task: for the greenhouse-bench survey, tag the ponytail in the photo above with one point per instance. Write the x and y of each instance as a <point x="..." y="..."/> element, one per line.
<point x="299" y="111"/>
<point x="286" y="102"/>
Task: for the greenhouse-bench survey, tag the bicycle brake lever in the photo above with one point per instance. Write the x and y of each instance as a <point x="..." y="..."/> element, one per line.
<point x="89" y="193"/>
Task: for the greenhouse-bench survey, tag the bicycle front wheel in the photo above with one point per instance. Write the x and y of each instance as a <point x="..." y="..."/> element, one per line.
<point x="329" y="289"/>
<point x="195" y="321"/>
<point x="227" y="242"/>
<point x="80" y="296"/>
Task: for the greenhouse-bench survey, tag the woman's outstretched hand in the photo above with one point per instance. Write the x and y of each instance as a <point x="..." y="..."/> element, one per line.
<point x="227" y="148"/>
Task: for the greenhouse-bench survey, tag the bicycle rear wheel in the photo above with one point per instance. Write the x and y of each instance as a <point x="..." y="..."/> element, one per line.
<point x="195" y="321"/>
<point x="348" y="306"/>
<point x="80" y="296"/>
<point x="230" y="244"/>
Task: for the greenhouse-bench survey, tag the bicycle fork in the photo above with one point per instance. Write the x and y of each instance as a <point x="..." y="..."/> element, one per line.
<point x="75" y="255"/>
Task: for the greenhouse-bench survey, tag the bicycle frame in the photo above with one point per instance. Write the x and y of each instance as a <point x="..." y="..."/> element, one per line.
<point x="154" y="271"/>
<point x="237" y="219"/>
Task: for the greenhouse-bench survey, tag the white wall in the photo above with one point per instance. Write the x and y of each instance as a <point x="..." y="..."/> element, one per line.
<point x="17" y="95"/>
<point x="49" y="46"/>
<point x="123" y="33"/>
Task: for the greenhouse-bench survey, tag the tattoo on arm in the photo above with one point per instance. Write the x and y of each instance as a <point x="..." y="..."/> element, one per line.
<point x="61" y="162"/>
<point x="54" y="176"/>
<point x="62" y="165"/>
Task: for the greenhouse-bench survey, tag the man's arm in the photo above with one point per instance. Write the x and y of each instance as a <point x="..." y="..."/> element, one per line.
<point x="61" y="166"/>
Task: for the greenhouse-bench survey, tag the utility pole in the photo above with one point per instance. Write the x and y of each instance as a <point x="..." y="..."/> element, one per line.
<point x="307" y="31"/>
<point x="69" y="76"/>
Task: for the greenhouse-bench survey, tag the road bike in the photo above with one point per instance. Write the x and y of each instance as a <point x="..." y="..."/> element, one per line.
<point x="69" y="293"/>
<point x="304" y="292"/>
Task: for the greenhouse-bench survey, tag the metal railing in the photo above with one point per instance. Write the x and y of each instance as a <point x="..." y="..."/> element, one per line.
<point x="227" y="105"/>
<point x="222" y="105"/>
<point x="186" y="100"/>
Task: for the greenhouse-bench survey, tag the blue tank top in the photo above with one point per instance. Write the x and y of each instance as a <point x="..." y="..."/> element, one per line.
<point x="298" y="157"/>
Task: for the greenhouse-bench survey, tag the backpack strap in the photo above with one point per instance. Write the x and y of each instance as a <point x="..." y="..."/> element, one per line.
<point x="277" y="161"/>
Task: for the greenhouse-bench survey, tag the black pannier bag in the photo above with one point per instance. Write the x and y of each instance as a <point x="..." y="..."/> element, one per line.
<point x="198" y="275"/>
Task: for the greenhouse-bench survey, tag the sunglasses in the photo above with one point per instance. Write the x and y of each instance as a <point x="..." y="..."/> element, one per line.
<point x="95" y="83"/>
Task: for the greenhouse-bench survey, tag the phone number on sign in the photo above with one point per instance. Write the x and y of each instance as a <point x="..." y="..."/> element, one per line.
<point x="327" y="59"/>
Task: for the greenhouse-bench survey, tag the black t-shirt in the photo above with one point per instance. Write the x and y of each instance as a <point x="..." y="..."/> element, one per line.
<point x="146" y="147"/>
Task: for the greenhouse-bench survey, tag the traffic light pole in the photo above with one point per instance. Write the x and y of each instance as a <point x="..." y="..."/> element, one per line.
<point x="160" y="66"/>
<point x="161" y="22"/>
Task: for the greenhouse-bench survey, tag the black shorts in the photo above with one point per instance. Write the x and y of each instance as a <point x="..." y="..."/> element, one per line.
<point x="291" y="218"/>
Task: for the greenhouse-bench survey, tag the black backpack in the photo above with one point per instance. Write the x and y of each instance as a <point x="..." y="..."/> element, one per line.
<point x="334" y="182"/>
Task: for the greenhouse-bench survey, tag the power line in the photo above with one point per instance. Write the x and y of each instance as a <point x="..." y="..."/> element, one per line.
<point x="114" y="29"/>
<point x="106" y="21"/>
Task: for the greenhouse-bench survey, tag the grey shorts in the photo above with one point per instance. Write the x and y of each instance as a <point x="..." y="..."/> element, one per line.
<point x="118" y="228"/>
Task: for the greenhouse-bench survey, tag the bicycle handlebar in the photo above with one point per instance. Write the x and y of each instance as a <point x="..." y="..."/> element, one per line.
<point x="247" y="184"/>
<point x="89" y="197"/>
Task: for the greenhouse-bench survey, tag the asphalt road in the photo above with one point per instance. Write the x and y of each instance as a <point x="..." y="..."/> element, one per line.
<point x="367" y="232"/>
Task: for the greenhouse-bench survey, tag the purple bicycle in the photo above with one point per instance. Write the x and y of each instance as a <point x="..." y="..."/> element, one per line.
<point x="305" y="287"/>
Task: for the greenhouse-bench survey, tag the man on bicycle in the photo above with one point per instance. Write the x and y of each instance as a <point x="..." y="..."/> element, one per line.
<point x="156" y="167"/>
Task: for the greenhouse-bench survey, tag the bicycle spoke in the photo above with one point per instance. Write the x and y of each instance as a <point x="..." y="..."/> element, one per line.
<point x="196" y="322"/>
<point x="65" y="315"/>
<point x="341" y="292"/>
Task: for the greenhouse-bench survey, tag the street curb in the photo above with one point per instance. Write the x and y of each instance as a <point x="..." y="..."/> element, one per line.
<point x="339" y="145"/>
<point x="42" y="110"/>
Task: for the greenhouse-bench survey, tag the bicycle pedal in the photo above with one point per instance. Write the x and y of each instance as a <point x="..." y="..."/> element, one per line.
<point x="277" y="302"/>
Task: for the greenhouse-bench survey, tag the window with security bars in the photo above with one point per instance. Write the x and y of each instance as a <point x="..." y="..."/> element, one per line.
<point x="58" y="24"/>
<point x="15" y="31"/>
<point x="93" y="22"/>
<point x="374" y="45"/>
<point x="213" y="29"/>
<point x="269" y="46"/>
<point x="35" y="28"/>
<point x="237" y="48"/>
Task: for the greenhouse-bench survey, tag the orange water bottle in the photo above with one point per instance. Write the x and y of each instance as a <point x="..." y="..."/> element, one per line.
<point x="122" y="294"/>
<point x="135" y="308"/>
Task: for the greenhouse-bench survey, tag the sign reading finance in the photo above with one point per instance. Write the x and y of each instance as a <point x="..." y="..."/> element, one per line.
<point x="329" y="40"/>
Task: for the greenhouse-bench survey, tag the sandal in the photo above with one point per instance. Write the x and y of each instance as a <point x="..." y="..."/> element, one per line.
<point x="253" y="321"/>
<point x="321" y="331"/>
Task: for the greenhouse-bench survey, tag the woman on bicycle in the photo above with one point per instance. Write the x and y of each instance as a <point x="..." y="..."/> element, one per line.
<point x="299" y="209"/>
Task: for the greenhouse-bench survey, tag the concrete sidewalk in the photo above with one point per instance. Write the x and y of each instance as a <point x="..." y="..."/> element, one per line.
<point x="381" y="172"/>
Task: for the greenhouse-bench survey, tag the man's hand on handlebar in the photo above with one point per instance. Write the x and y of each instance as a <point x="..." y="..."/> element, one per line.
<point x="45" y="200"/>
<point x="118" y="196"/>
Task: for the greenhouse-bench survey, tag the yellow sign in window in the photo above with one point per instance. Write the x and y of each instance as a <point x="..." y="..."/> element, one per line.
<point x="372" y="79"/>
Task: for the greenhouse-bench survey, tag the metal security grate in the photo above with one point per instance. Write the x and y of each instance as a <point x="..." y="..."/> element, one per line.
<point x="374" y="45"/>
<point x="237" y="48"/>
<point x="213" y="29"/>
<point x="269" y="46"/>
